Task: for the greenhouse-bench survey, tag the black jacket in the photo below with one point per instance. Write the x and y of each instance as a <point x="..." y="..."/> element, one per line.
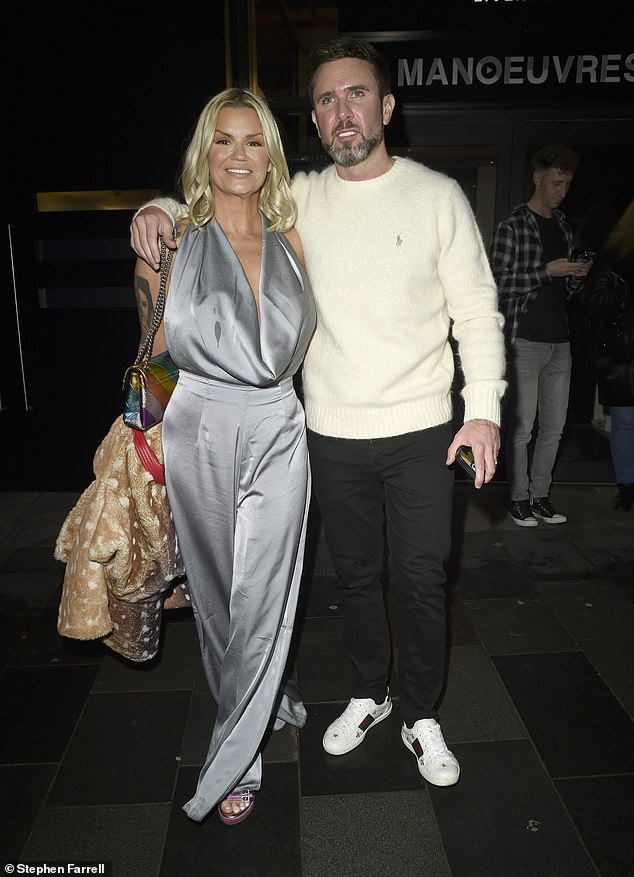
<point x="609" y="302"/>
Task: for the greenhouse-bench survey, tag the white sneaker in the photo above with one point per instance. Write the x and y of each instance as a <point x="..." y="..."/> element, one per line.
<point x="436" y="763"/>
<point x="348" y="731"/>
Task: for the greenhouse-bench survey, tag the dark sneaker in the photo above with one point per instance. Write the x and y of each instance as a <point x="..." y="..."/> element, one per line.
<point x="520" y="513"/>
<point x="624" y="498"/>
<point x="541" y="508"/>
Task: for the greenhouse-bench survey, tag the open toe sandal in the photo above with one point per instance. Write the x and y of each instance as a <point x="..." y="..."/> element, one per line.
<point x="246" y="797"/>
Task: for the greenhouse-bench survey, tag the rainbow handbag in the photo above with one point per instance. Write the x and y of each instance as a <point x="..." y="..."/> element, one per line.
<point x="148" y="386"/>
<point x="150" y="381"/>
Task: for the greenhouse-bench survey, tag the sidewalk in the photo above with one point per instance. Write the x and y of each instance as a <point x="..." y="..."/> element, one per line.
<point x="98" y="755"/>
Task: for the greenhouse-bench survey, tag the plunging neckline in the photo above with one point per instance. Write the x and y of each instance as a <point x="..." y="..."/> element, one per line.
<point x="255" y="295"/>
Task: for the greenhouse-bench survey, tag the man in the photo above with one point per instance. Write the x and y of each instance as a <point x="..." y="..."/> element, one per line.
<point x="531" y="260"/>
<point x="393" y="253"/>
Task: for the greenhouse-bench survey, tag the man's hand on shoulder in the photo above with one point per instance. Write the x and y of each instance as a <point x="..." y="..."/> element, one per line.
<point x="148" y="226"/>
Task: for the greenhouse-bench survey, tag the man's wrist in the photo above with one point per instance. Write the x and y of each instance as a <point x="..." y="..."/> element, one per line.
<point x="169" y="206"/>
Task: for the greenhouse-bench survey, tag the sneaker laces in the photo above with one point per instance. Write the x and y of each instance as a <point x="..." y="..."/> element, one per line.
<point x="350" y="718"/>
<point x="432" y="741"/>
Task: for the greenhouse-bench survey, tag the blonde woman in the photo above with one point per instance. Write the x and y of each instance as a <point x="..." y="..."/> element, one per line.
<point x="238" y="319"/>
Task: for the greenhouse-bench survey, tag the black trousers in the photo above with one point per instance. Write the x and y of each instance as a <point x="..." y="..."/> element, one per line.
<point x="397" y="486"/>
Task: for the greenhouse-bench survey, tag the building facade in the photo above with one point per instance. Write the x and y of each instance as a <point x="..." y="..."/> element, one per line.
<point x="479" y="86"/>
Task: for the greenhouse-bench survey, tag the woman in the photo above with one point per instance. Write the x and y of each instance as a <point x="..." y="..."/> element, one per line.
<point x="609" y="300"/>
<point x="238" y="319"/>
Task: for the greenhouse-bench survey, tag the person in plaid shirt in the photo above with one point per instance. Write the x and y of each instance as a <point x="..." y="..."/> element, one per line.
<point x="531" y="260"/>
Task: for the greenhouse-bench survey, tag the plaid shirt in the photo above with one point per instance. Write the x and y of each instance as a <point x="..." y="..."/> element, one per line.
<point x="517" y="262"/>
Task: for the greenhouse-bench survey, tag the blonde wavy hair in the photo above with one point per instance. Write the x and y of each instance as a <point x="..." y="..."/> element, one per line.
<point x="274" y="199"/>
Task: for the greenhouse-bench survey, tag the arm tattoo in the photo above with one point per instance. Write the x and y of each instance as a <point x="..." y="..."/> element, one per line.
<point x="145" y="305"/>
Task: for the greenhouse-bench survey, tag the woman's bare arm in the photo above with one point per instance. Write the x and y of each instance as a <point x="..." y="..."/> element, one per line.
<point x="146" y="287"/>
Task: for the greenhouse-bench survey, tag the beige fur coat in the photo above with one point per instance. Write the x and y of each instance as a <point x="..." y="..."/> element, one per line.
<point x="123" y="565"/>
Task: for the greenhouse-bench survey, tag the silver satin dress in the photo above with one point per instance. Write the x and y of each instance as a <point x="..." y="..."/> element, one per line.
<point x="238" y="482"/>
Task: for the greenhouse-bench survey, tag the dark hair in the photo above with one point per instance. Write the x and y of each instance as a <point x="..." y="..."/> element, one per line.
<point x="558" y="156"/>
<point x="347" y="47"/>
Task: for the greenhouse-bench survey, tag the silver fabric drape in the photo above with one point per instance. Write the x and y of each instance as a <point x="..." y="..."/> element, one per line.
<point x="238" y="483"/>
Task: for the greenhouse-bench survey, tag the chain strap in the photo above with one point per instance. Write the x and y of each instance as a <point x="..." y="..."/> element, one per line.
<point x="146" y="348"/>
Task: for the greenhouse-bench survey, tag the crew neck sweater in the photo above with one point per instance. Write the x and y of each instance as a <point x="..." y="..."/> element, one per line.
<point x="397" y="265"/>
<point x="394" y="262"/>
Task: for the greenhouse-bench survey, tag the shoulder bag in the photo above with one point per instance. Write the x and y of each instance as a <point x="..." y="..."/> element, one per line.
<point x="149" y="382"/>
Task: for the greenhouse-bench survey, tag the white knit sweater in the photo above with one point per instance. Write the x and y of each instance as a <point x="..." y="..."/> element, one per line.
<point x="391" y="261"/>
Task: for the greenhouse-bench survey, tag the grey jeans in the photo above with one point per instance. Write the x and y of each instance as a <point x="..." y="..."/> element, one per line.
<point x="539" y="384"/>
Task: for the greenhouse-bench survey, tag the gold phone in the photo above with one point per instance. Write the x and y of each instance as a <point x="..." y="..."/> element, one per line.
<point x="465" y="459"/>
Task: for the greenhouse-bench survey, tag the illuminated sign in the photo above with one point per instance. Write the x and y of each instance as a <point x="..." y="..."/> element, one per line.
<point x="516" y="70"/>
<point x="504" y="50"/>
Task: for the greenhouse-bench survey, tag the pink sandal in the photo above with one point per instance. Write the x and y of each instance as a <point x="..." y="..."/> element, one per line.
<point x="245" y="797"/>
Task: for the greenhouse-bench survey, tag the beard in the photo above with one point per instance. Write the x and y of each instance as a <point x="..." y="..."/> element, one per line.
<point x="349" y="155"/>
